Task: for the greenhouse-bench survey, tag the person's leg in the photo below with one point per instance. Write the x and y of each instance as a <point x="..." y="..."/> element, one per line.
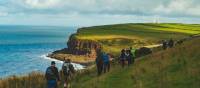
<point x="101" y="68"/>
<point x="51" y="84"/>
<point x="129" y="62"/>
<point x="108" y="66"/>
<point x="98" y="69"/>
<point x="104" y="67"/>
<point x="123" y="63"/>
<point x="65" y="81"/>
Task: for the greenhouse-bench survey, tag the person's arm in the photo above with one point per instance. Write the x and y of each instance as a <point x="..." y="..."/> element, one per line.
<point x="62" y="68"/>
<point x="72" y="68"/>
<point x="57" y="74"/>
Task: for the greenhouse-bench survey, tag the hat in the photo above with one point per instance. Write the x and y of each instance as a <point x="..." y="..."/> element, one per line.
<point x="53" y="62"/>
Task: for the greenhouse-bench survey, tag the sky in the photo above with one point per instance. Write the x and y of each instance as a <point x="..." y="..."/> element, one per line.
<point x="97" y="12"/>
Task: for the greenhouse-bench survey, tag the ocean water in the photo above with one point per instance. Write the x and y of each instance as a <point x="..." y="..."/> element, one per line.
<point x="23" y="49"/>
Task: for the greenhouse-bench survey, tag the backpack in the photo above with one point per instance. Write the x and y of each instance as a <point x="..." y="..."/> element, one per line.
<point x="49" y="73"/>
<point x="133" y="52"/>
<point x="66" y="68"/>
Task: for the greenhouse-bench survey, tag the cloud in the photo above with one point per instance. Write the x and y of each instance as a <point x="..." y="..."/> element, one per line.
<point x="3" y="11"/>
<point x="3" y="14"/>
<point x="41" y="4"/>
<point x="122" y="10"/>
<point x="111" y="7"/>
<point x="179" y="8"/>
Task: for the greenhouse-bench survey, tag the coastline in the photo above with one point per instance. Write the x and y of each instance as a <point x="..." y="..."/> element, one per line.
<point x="84" y="60"/>
<point x="77" y="66"/>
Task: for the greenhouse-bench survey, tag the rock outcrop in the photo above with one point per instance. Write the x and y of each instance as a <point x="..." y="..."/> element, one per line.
<point x="77" y="47"/>
<point x="81" y="47"/>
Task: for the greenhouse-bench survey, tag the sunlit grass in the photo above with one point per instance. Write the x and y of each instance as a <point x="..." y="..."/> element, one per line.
<point x="174" y="68"/>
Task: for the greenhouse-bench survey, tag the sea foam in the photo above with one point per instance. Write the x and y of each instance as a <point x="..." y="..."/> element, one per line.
<point x="76" y="66"/>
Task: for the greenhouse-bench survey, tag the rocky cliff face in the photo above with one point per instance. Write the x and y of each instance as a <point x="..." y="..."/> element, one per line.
<point x="80" y="47"/>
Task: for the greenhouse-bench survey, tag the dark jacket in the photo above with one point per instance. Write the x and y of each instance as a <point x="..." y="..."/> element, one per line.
<point x="99" y="60"/>
<point x="54" y="75"/>
<point x="123" y="56"/>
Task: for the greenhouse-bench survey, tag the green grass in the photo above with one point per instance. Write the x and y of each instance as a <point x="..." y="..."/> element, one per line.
<point x="115" y="37"/>
<point x="142" y="30"/>
<point x="174" y="68"/>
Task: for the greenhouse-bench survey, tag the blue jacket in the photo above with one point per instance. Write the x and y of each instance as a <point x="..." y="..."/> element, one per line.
<point x="105" y="58"/>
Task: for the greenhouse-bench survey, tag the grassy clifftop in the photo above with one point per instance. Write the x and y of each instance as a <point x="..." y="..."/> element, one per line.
<point x="138" y="30"/>
<point x="115" y="37"/>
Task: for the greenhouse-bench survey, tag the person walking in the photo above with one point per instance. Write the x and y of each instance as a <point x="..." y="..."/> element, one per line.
<point x="67" y="70"/>
<point x="133" y="53"/>
<point x="99" y="61"/>
<point x="122" y="58"/>
<point x="164" y="44"/>
<point x="52" y="75"/>
<point x="171" y="43"/>
<point x="106" y="62"/>
<point x="129" y="57"/>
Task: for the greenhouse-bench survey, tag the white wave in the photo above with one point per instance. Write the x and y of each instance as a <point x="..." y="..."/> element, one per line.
<point x="51" y="59"/>
<point x="76" y="66"/>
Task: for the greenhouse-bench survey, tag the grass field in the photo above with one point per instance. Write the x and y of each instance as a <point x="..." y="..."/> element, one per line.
<point x="139" y="30"/>
<point x="174" y="68"/>
<point x="115" y="37"/>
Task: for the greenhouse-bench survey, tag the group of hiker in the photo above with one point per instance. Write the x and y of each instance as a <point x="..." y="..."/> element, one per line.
<point x="53" y="77"/>
<point x="167" y="43"/>
<point x="103" y="61"/>
<point x="127" y="56"/>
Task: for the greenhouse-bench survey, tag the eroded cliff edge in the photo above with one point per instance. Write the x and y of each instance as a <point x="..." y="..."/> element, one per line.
<point x="81" y="51"/>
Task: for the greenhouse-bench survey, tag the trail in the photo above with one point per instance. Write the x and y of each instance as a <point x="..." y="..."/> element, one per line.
<point x="153" y="46"/>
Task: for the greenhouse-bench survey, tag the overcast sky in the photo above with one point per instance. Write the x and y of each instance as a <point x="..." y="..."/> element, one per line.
<point x="97" y="12"/>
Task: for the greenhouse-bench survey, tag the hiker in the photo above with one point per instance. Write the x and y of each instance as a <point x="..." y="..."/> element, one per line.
<point x="106" y="62"/>
<point x="122" y="58"/>
<point x="143" y="51"/>
<point x="67" y="70"/>
<point x="99" y="61"/>
<point x="171" y="43"/>
<point x="164" y="44"/>
<point x="133" y="52"/>
<point x="129" y="57"/>
<point x="52" y="76"/>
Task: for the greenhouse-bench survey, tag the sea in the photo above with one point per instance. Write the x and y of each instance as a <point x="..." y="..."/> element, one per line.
<point x="23" y="49"/>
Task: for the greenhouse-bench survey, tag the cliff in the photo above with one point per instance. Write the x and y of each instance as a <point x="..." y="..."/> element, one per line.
<point x="81" y="46"/>
<point x="79" y="50"/>
<point x="113" y="38"/>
